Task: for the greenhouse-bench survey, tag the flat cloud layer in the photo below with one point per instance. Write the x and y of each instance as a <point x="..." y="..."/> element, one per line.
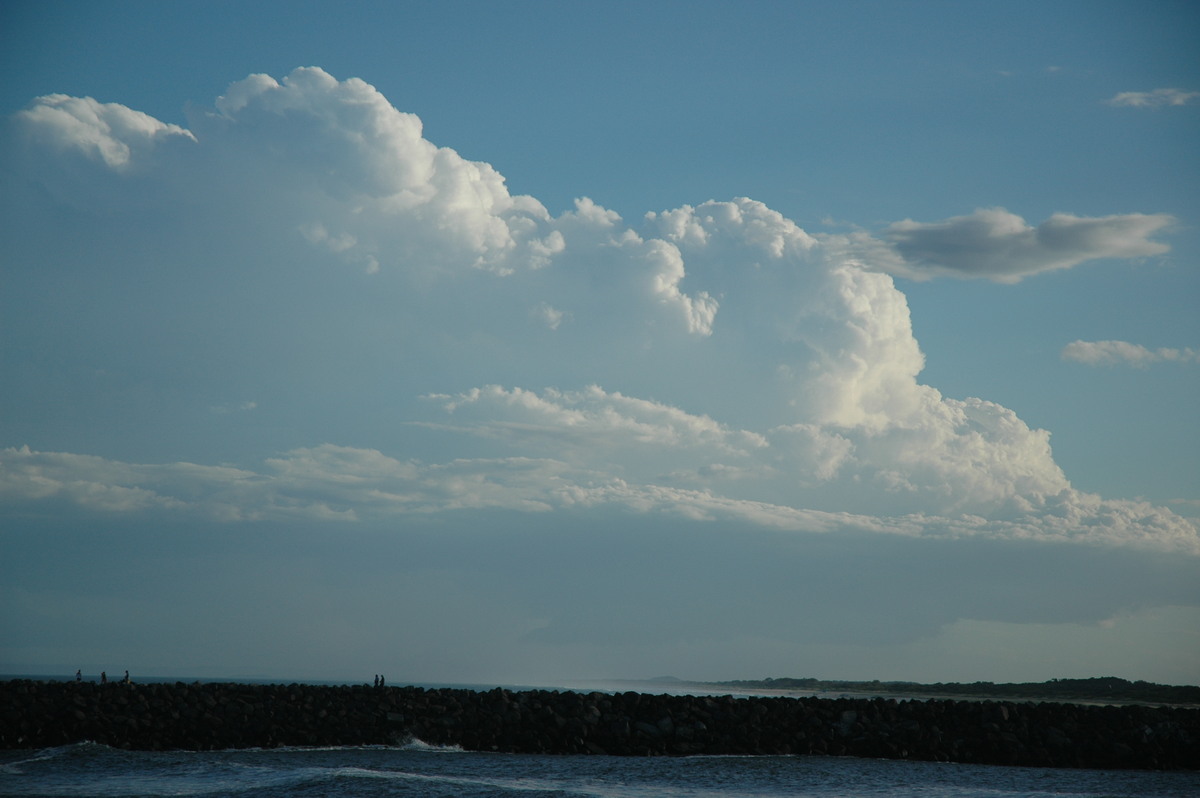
<point x="358" y="328"/>
<point x="331" y="483"/>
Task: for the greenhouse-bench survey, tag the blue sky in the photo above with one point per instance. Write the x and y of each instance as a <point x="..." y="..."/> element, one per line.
<point x="550" y="341"/>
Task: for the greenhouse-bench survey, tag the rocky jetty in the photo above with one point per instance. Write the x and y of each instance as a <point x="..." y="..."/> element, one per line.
<point x="36" y="714"/>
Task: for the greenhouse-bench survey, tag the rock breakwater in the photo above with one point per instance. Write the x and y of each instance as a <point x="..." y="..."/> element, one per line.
<point x="36" y="714"/>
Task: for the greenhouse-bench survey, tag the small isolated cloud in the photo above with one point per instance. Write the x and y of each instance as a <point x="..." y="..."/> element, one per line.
<point x="551" y="316"/>
<point x="1153" y="99"/>
<point x="1123" y="353"/>
<point x="233" y="407"/>
<point x="996" y="244"/>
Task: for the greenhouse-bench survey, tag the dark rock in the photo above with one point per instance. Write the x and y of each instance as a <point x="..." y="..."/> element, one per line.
<point x="205" y="716"/>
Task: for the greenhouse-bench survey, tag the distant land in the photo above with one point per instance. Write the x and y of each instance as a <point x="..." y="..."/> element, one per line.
<point x="1102" y="689"/>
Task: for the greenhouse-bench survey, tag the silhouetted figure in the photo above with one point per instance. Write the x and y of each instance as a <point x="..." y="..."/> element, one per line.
<point x="103" y="677"/>
<point x="78" y="676"/>
<point x="381" y="680"/>
<point x="126" y="677"/>
<point x="377" y="680"/>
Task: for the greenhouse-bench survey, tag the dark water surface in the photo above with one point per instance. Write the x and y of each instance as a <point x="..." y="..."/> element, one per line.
<point x="88" y="769"/>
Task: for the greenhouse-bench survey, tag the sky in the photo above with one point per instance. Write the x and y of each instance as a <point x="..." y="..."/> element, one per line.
<point x="540" y="343"/>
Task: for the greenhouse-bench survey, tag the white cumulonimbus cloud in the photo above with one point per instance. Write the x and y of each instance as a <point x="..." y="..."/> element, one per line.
<point x="995" y="244"/>
<point x="1158" y="98"/>
<point x="1123" y="353"/>
<point x="317" y="253"/>
<point x="109" y="132"/>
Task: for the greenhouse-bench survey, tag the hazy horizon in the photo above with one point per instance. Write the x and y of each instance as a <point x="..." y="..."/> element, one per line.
<point x="654" y="684"/>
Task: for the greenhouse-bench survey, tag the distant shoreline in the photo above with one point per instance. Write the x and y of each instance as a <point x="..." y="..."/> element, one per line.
<point x="1092" y="691"/>
<point x="1105" y="690"/>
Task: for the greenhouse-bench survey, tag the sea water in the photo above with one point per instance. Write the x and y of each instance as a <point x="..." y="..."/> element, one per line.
<point x="89" y="769"/>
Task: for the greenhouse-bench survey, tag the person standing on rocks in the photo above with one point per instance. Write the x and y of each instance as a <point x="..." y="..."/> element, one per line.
<point x="103" y="677"/>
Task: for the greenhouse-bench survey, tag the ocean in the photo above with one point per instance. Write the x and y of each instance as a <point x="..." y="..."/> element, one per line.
<point x="88" y="769"/>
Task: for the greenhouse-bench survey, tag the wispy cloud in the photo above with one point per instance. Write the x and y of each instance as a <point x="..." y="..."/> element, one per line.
<point x="998" y="245"/>
<point x="1123" y="353"/>
<point x="1158" y="98"/>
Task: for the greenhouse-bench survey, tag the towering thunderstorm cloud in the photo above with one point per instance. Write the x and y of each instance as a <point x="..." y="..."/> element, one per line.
<point x="297" y="312"/>
<point x="708" y="361"/>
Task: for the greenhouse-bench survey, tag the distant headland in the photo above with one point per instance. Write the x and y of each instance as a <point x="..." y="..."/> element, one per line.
<point x="1100" y="690"/>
